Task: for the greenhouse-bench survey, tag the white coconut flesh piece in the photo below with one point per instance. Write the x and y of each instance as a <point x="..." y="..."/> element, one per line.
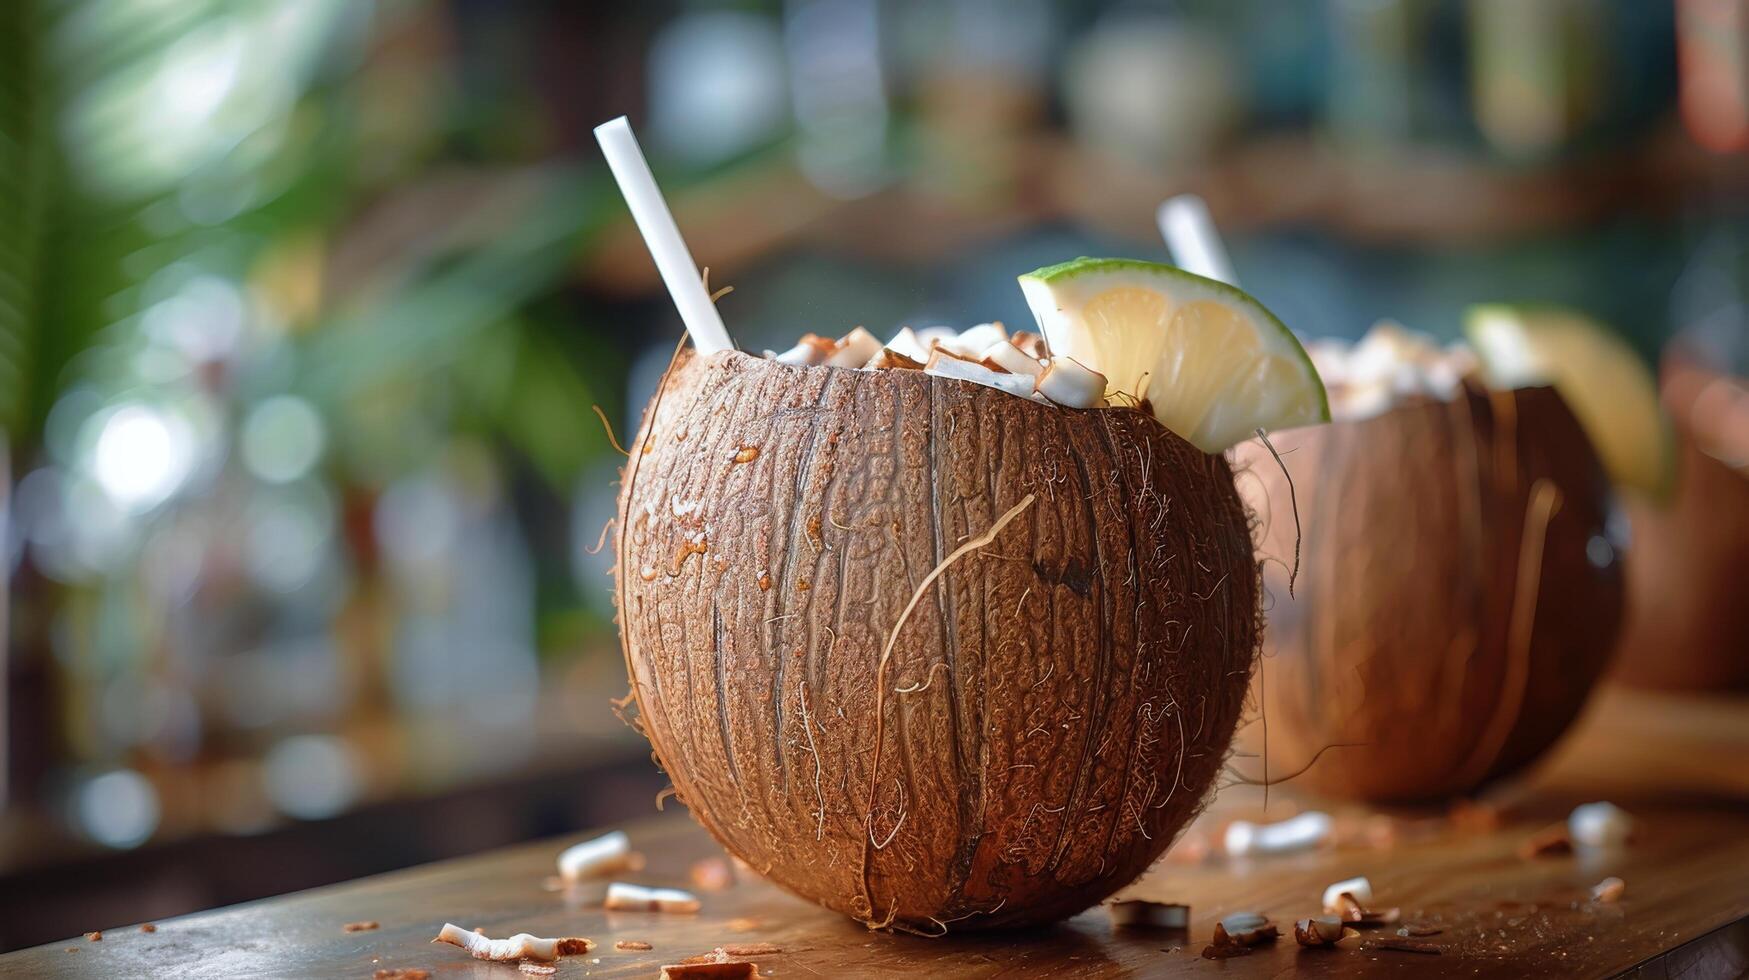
<point x="623" y="896"/>
<point x="602" y="855"/>
<point x="1599" y="824"/>
<point x="1359" y="889"/>
<point x="521" y="946"/>
<point x="1388" y="367"/>
<point x="1068" y="382"/>
<point x="975" y="340"/>
<point x="1010" y="358"/>
<point x="943" y="364"/>
<point x="906" y="342"/>
<point x="854" y="349"/>
<point x="1296" y="833"/>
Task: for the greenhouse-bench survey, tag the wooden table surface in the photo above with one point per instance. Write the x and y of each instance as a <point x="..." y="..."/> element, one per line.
<point x="1677" y="766"/>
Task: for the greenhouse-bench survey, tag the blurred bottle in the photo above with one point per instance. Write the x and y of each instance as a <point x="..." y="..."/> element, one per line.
<point x="979" y="69"/>
<point x="1151" y="89"/>
<point x="838" y="93"/>
<point x="1536" y="75"/>
<point x="1384" y="87"/>
<point x="1712" y="39"/>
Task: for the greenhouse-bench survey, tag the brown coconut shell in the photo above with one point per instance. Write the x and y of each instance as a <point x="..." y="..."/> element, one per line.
<point x="1054" y="708"/>
<point x="1688" y="624"/>
<point x="1447" y="622"/>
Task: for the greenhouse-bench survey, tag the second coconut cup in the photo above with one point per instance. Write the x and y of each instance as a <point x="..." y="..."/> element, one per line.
<point x="1456" y="600"/>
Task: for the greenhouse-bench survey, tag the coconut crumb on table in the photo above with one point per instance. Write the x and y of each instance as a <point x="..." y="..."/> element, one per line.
<point x="537" y="969"/>
<point x="622" y="896"/>
<point x="148" y="927"/>
<point x="1608" y="890"/>
<point x="365" y="926"/>
<point x="95" y="937"/>
<point x="1236" y="934"/>
<point x="731" y="953"/>
<point x="402" y="973"/>
<point x="631" y="945"/>
<point x="598" y="856"/>
<point x="521" y="946"/>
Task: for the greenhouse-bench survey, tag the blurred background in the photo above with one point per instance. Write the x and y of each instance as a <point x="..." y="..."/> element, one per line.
<point x="304" y="305"/>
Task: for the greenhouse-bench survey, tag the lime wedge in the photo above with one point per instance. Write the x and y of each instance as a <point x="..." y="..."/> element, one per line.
<point x="1210" y="361"/>
<point x="1607" y="385"/>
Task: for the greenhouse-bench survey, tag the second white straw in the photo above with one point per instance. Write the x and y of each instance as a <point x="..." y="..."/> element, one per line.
<point x="1190" y="234"/>
<point x="662" y="236"/>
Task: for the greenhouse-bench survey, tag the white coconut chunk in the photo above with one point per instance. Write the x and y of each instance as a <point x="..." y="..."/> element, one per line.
<point x="521" y="946"/>
<point x="1249" y="928"/>
<point x="1139" y="914"/>
<point x="945" y="365"/>
<point x="1011" y="359"/>
<point x="623" y="896"/>
<point x="854" y="349"/>
<point x="801" y="355"/>
<point x="1359" y="889"/>
<point x="1599" y="825"/>
<point x="1362" y="401"/>
<point x="1608" y="890"/>
<point x="1318" y="930"/>
<point x="930" y="338"/>
<point x="1296" y="833"/>
<point x="888" y="359"/>
<point x="1330" y="356"/>
<point x="1387" y="345"/>
<point x="1071" y="384"/>
<point x="603" y="855"/>
<point x="973" y="340"/>
<point x="906" y="342"/>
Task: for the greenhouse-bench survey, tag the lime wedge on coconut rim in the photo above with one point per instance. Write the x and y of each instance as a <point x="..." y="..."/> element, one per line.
<point x="1601" y="378"/>
<point x="1210" y="361"/>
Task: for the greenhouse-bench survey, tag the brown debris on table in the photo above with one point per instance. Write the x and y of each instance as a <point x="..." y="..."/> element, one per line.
<point x="95" y="937"/>
<point x="742" y="970"/>
<point x="1250" y="930"/>
<point x="1551" y="841"/>
<point x="732" y="952"/>
<point x="631" y="945"/>
<point x="535" y="969"/>
<point x="402" y="973"/>
<point x="1406" y="946"/>
<point x="365" y="926"/>
<point x="148" y="927"/>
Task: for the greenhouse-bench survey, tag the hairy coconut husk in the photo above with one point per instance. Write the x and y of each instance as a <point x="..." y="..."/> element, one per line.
<point x="1447" y="623"/>
<point x="1688" y="626"/>
<point x="1056" y="702"/>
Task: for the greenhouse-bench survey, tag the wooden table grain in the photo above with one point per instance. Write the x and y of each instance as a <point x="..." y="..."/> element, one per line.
<point x="1685" y="911"/>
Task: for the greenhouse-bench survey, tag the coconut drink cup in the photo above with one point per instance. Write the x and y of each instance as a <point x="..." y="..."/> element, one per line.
<point x="933" y="633"/>
<point x="1457" y="596"/>
<point x="882" y="720"/>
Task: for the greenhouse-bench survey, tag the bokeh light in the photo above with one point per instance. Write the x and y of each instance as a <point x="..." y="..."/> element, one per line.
<point x="118" y="808"/>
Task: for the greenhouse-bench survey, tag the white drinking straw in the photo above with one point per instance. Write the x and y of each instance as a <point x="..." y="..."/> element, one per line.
<point x="662" y="237"/>
<point x="1190" y="234"/>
